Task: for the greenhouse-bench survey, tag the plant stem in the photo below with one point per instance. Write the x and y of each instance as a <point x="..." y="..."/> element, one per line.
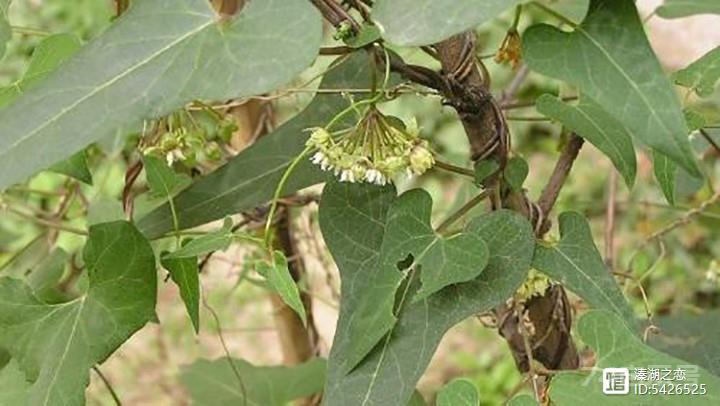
<point x="455" y="169"/>
<point x="46" y="223"/>
<point x="30" y="31"/>
<point x="108" y="385"/>
<point x="554" y="13"/>
<point x="462" y="211"/>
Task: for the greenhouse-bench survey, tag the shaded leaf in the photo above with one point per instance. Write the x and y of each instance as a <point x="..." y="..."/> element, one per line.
<point x="665" y="172"/>
<point x="588" y="120"/>
<point x="368" y="34"/>
<point x="75" y="167"/>
<point x="47" y="56"/>
<point x="250" y="178"/>
<point x="701" y="75"/>
<point x="695" y="339"/>
<point x="105" y="210"/>
<point x="43" y="280"/>
<point x="278" y="277"/>
<point x="121" y="78"/>
<point x="684" y="8"/>
<point x="218" y="240"/>
<point x="523" y="400"/>
<point x="577" y="264"/>
<point x="213" y="383"/>
<point x="353" y="220"/>
<point x="56" y="345"/>
<point x="609" y="59"/>
<point x="484" y="169"/>
<point x="417" y="400"/>
<point x="13" y="386"/>
<point x="423" y="22"/>
<point x="459" y="392"/>
<point x="515" y="173"/>
<point x="184" y="272"/>
<point x="616" y="346"/>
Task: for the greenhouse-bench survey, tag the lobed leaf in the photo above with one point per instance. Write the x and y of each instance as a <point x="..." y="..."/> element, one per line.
<point x="577" y="264"/>
<point x="353" y="220"/>
<point x="701" y="75"/>
<point x="152" y="74"/>
<point x="588" y="120"/>
<point x="56" y="344"/>
<point x="609" y="59"/>
<point x="424" y="22"/>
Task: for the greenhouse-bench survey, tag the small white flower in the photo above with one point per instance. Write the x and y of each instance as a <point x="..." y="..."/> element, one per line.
<point x="317" y="158"/>
<point x="347" y="176"/>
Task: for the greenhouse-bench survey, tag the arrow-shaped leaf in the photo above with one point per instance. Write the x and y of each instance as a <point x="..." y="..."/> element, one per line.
<point x="576" y="262"/>
<point x="57" y="344"/>
<point x="609" y="59"/>
<point x="278" y="277"/>
<point x="156" y="57"/>
<point x="184" y="272"/>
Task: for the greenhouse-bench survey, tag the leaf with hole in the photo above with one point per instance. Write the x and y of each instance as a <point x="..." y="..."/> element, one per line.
<point x="609" y="59"/>
<point x="577" y="264"/>
<point x="353" y="220"/>
<point x="215" y="383"/>
<point x="56" y="344"/>
<point x="588" y="120"/>
<point x="152" y="74"/>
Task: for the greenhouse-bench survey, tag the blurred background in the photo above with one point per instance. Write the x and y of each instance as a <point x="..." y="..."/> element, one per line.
<point x="681" y="277"/>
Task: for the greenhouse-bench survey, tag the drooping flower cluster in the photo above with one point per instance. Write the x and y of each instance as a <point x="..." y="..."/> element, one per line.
<point x="376" y="150"/>
<point x="510" y="49"/>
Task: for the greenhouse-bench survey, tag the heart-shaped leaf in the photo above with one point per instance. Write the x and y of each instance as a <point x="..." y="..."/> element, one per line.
<point x="609" y="59"/>
<point x="57" y="344"/>
<point x="186" y="52"/>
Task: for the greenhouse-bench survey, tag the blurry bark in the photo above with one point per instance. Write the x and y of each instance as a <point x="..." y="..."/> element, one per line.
<point x="227" y="7"/>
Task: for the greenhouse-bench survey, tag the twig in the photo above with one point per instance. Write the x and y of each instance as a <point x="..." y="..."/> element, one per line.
<point x="455" y="169"/>
<point x="462" y="211"/>
<point x="108" y="385"/>
<point x="45" y="223"/>
<point x="710" y="141"/>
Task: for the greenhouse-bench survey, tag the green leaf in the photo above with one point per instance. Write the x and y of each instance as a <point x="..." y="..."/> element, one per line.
<point x="575" y="10"/>
<point x="368" y="34"/>
<point x="278" y="277"/>
<point x="666" y="173"/>
<point x="5" y="29"/>
<point x="523" y="400"/>
<point x="249" y="179"/>
<point x="43" y="280"/>
<point x="218" y="240"/>
<point x="353" y="220"/>
<point x="588" y="120"/>
<point x="50" y="53"/>
<point x="577" y="264"/>
<point x="484" y="169"/>
<point x="701" y="75"/>
<point x="75" y="167"/>
<point x="694" y="119"/>
<point x="515" y="173"/>
<point x="684" y="8"/>
<point x="13" y="386"/>
<point x="184" y="272"/>
<point x="121" y="78"/>
<point x="423" y="22"/>
<point x="163" y="181"/>
<point x="618" y="347"/>
<point x="693" y="338"/>
<point x="214" y="383"/>
<point x="407" y="235"/>
<point x="459" y="392"/>
<point x="56" y="345"/>
<point x="609" y="59"/>
<point x="417" y="399"/>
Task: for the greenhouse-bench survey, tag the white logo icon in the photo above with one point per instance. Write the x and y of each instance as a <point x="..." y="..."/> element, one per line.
<point x="616" y="381"/>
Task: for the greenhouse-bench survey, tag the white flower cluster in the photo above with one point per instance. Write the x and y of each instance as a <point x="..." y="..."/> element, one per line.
<point x="375" y="151"/>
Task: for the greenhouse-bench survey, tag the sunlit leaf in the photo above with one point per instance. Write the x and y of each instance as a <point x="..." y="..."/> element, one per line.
<point x="588" y="120"/>
<point x="278" y="277"/>
<point x="684" y="8"/>
<point x="57" y="344"/>
<point x="423" y="22"/>
<point x="609" y="59"/>
<point x="577" y="264"/>
<point x="249" y="179"/>
<point x="353" y="220"/>
<point x="215" y="383"/>
<point x="125" y="76"/>
<point x="701" y="75"/>
<point x="618" y="347"/>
